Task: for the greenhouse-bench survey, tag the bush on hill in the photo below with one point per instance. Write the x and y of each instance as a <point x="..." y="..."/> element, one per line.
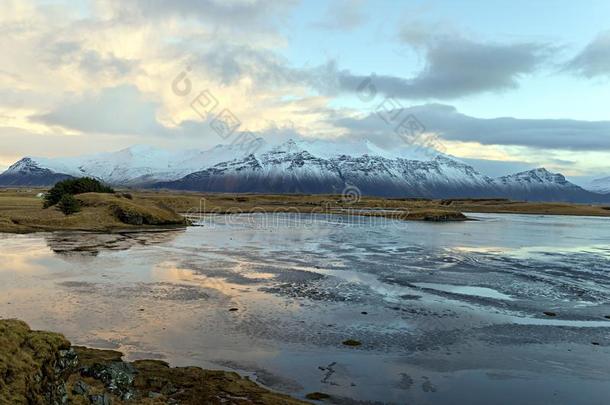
<point x="68" y="204"/>
<point x="73" y="187"/>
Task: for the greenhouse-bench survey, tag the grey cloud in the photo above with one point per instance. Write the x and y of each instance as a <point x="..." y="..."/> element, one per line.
<point x="90" y="61"/>
<point x="451" y="125"/>
<point x="454" y="67"/>
<point x="458" y="67"/>
<point x="94" y="64"/>
<point x="230" y="63"/>
<point x="419" y="33"/>
<point x="342" y="16"/>
<point x="594" y="59"/>
<point x="497" y="168"/>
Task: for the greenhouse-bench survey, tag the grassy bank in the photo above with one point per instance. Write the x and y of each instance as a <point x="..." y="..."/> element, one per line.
<point x="23" y="212"/>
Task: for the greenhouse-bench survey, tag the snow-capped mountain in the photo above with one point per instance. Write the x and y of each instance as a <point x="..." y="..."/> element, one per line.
<point x="300" y="167"/>
<point x="323" y="167"/>
<point x="540" y="184"/>
<point x="136" y="165"/>
<point x="532" y="179"/>
<point x="601" y="186"/>
<point x="27" y="172"/>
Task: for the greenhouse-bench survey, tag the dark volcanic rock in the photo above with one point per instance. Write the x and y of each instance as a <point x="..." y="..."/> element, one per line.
<point x="549" y="313"/>
<point x="117" y="377"/>
<point x="80" y="388"/>
<point x="100" y="399"/>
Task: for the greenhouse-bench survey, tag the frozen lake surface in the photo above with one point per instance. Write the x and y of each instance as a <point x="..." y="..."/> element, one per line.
<point x="446" y="313"/>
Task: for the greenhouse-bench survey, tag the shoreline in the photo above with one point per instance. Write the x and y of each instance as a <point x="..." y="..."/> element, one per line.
<point x="44" y="367"/>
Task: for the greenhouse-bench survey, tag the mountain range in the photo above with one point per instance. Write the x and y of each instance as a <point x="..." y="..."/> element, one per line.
<point x="601" y="185"/>
<point x="298" y="166"/>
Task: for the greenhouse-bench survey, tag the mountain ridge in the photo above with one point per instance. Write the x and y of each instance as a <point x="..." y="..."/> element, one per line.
<point x="297" y="166"/>
<point x="600" y="185"/>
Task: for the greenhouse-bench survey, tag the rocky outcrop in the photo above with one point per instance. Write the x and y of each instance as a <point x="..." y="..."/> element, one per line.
<point x="34" y="365"/>
<point x="41" y="368"/>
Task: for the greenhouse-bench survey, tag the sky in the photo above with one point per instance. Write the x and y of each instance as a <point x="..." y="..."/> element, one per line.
<point x="503" y="85"/>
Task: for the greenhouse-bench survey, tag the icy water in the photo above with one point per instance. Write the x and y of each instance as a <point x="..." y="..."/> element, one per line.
<point x="446" y="313"/>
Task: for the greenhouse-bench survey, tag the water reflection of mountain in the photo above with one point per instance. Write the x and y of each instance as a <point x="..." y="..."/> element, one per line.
<point x="91" y="244"/>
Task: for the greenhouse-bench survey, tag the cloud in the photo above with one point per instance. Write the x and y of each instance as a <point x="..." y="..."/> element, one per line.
<point x="126" y="111"/>
<point x="451" y="125"/>
<point x="344" y="15"/>
<point x="594" y="59"/>
<point x="230" y="63"/>
<point x="89" y="61"/>
<point x="497" y="168"/>
<point x="117" y="110"/>
<point x="53" y="144"/>
<point x="457" y="67"/>
<point x="454" y="66"/>
<point x="228" y="14"/>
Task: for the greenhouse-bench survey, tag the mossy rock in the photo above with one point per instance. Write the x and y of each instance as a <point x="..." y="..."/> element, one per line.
<point x="33" y="365"/>
<point x="157" y="383"/>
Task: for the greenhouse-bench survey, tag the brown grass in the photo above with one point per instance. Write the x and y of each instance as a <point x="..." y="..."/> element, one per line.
<point x="21" y="211"/>
<point x="410" y="208"/>
<point x="521" y="207"/>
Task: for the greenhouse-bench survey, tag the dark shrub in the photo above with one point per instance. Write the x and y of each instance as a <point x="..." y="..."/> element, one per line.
<point x="73" y="187"/>
<point x="68" y="204"/>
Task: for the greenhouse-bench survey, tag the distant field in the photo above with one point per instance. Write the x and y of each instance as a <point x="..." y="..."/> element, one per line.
<point x="21" y="210"/>
<point x="414" y="207"/>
